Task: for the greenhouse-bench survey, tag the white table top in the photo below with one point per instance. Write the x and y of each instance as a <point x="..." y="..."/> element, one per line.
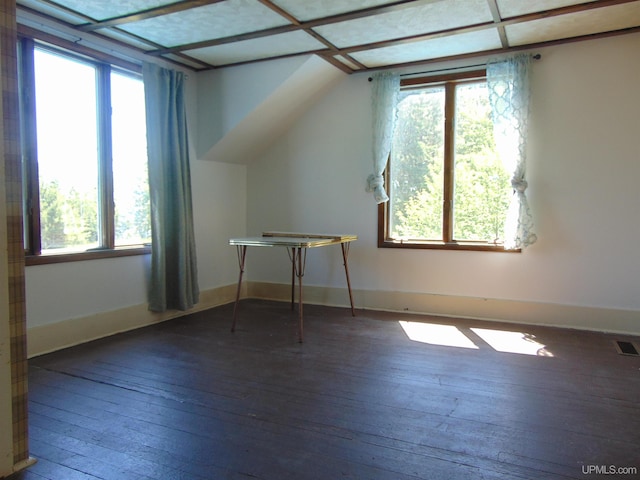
<point x="292" y="239"/>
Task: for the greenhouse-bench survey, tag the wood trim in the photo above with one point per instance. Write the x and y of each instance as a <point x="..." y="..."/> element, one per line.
<point x="431" y="245"/>
<point x="97" y="254"/>
<point x="424" y="80"/>
<point x="78" y="48"/>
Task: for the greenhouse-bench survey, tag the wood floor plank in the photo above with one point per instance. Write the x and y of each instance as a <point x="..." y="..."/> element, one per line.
<point x="359" y="399"/>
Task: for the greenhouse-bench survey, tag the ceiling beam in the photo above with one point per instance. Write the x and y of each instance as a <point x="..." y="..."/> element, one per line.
<point x="497" y="18"/>
<point x="145" y="14"/>
<point x="297" y="24"/>
<point x="310" y="31"/>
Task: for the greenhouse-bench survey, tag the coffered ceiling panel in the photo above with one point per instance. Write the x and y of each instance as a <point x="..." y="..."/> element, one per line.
<point x="353" y="35"/>
<point x="513" y="8"/>
<point x="257" y="49"/>
<point x="101" y="10"/>
<point x="430" y="49"/>
<point x="588" y="22"/>
<point x="311" y="9"/>
<point x="406" y="22"/>
<point x="219" y="20"/>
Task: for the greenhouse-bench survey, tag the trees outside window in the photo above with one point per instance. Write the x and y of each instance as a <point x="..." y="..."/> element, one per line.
<point x="447" y="185"/>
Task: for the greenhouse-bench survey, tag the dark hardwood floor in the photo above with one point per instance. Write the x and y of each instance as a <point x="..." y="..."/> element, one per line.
<point x="187" y="399"/>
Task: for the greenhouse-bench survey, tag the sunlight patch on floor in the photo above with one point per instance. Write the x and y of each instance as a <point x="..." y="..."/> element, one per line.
<point x="451" y="336"/>
<point x="512" y="342"/>
<point x="435" y="334"/>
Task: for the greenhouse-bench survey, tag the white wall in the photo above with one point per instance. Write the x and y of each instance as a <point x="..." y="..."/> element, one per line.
<point x="583" y="171"/>
<point x="244" y="87"/>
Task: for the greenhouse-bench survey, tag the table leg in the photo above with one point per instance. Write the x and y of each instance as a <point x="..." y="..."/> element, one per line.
<point x="242" y="252"/>
<point x="293" y="279"/>
<point x="345" y="255"/>
<point x="299" y="260"/>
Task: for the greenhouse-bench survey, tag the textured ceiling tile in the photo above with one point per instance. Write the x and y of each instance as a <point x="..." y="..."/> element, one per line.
<point x="425" y="18"/>
<point x="127" y="39"/>
<point x="101" y="10"/>
<point x="573" y="25"/>
<point x="311" y="9"/>
<point x="50" y="11"/>
<point x="276" y="45"/>
<point x="512" y="8"/>
<point x="218" y="20"/>
<point x="439" y="47"/>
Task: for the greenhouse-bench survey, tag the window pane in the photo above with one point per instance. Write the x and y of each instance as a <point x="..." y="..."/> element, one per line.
<point x="67" y="152"/>
<point x="417" y="161"/>
<point x="482" y="189"/>
<point x="130" y="178"/>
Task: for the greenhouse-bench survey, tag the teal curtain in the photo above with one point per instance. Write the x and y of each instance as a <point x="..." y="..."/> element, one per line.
<point x="174" y="283"/>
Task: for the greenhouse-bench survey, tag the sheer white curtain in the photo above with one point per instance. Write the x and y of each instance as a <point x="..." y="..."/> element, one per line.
<point x="385" y="90"/>
<point x="508" y="83"/>
<point x="174" y="276"/>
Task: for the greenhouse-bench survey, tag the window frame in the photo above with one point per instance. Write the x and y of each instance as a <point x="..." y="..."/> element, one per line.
<point x="449" y="82"/>
<point x="104" y="65"/>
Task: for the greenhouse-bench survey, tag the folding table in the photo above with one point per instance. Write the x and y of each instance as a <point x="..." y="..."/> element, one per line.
<point x="296" y="245"/>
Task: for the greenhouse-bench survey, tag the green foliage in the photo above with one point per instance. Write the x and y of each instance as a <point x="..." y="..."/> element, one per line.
<point x="133" y="222"/>
<point x="69" y="219"/>
<point x="51" y="216"/>
<point x="481" y="198"/>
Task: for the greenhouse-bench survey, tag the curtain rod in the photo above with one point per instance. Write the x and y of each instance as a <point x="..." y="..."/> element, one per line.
<point x="537" y="56"/>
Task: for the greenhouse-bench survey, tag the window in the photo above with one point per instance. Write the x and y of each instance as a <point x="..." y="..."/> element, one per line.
<point x="84" y="156"/>
<point x="447" y="187"/>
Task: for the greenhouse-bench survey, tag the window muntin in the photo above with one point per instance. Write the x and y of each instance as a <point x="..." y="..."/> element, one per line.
<point x="84" y="157"/>
<point x="447" y="186"/>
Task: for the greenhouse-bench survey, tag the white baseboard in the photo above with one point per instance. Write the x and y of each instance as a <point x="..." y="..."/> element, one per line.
<point x="54" y="336"/>
<point x="512" y="311"/>
<point x="47" y="338"/>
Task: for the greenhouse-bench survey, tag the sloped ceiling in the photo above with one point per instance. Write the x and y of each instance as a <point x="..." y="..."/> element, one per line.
<point x="353" y="35"/>
<point x="272" y="115"/>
